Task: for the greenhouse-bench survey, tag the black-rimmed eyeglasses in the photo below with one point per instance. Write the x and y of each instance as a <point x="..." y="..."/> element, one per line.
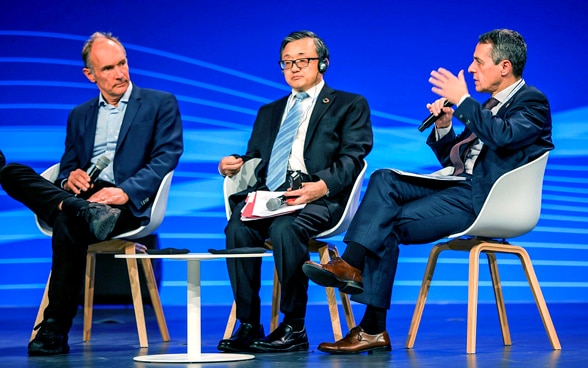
<point x="300" y="63"/>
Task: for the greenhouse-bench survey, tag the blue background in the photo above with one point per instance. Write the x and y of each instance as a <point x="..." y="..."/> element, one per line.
<point x="220" y="60"/>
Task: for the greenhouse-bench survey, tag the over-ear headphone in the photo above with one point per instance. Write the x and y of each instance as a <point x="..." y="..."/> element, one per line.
<point x="323" y="65"/>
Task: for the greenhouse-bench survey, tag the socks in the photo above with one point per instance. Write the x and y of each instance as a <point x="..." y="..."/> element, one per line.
<point x="355" y="255"/>
<point x="297" y="324"/>
<point x="374" y="320"/>
<point x="72" y="205"/>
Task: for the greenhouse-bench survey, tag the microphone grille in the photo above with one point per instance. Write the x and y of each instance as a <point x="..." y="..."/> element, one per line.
<point x="102" y="162"/>
<point x="273" y="204"/>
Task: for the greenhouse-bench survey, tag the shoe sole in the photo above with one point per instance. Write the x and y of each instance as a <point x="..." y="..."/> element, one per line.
<point x="298" y="347"/>
<point x="41" y="352"/>
<point x="328" y="279"/>
<point x="376" y="349"/>
<point x="106" y="226"/>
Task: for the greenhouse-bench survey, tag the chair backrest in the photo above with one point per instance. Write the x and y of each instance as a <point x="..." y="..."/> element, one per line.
<point x="157" y="209"/>
<point x="513" y="205"/>
<point x="245" y="177"/>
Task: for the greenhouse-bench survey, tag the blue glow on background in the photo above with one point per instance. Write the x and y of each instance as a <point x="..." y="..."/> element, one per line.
<point x="220" y="60"/>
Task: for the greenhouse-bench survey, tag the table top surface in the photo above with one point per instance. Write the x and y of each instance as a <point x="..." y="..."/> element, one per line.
<point x="193" y="256"/>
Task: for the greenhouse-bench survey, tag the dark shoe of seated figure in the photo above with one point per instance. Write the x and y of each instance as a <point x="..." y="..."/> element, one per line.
<point x="101" y="218"/>
<point x="282" y="339"/>
<point x="2" y="159"/>
<point x="50" y="340"/>
<point x="336" y="273"/>
<point x="357" y="341"/>
<point x="242" y="338"/>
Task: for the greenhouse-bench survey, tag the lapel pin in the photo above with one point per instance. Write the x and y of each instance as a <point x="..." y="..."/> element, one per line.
<point x="326" y="100"/>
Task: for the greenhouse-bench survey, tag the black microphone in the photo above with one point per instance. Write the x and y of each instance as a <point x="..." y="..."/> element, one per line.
<point x="97" y="168"/>
<point x="432" y="118"/>
<point x="275" y="203"/>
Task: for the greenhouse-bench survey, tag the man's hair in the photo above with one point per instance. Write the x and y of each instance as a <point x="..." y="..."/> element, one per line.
<point x="507" y="45"/>
<point x="321" y="49"/>
<point x="87" y="49"/>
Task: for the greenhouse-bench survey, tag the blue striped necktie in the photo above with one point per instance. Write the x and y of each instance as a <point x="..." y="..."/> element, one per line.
<point x="283" y="144"/>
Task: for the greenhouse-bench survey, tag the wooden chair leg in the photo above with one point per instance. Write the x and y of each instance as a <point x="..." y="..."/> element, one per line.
<point x="277" y="294"/>
<point x="539" y="299"/>
<point x="347" y="310"/>
<point x="155" y="300"/>
<point x="231" y="322"/>
<point x="499" y="296"/>
<point x="89" y="295"/>
<point x="331" y="299"/>
<point x="473" y="281"/>
<point x="44" y="303"/>
<point x="136" y="295"/>
<point x="424" y="291"/>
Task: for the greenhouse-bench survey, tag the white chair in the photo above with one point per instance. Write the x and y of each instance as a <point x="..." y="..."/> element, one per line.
<point x="326" y="251"/>
<point x="121" y="244"/>
<point x="511" y="209"/>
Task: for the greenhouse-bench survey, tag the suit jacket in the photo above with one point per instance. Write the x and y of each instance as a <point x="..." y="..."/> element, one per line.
<point x="517" y="134"/>
<point x="149" y="144"/>
<point x="339" y="137"/>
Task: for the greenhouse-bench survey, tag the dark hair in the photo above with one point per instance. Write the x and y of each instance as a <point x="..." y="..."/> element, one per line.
<point x="507" y="45"/>
<point x="321" y="49"/>
<point x="88" y="45"/>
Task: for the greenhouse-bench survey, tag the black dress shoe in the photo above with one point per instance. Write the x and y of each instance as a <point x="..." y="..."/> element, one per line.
<point x="241" y="339"/>
<point x="2" y="159"/>
<point x="101" y="218"/>
<point x="50" y="340"/>
<point x="282" y="339"/>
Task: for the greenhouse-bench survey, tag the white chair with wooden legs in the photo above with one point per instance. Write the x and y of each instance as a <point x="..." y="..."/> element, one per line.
<point x="326" y="252"/>
<point x="121" y="244"/>
<point x="511" y="209"/>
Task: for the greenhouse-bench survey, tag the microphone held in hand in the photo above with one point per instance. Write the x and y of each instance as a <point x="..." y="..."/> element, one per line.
<point x="432" y="118"/>
<point x="275" y="203"/>
<point x="97" y="168"/>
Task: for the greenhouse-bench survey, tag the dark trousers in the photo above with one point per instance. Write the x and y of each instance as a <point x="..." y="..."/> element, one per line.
<point x="70" y="240"/>
<point x="398" y="209"/>
<point x="289" y="235"/>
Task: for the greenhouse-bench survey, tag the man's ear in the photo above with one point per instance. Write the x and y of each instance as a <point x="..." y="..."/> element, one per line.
<point x="506" y="67"/>
<point x="89" y="75"/>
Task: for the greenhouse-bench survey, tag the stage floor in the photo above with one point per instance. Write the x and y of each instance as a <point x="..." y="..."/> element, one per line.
<point x="440" y="342"/>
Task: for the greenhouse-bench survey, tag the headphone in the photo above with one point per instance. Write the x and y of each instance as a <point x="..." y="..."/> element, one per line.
<point x="323" y="65"/>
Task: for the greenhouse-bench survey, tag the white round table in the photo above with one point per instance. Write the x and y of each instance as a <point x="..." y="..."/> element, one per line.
<point x="194" y="354"/>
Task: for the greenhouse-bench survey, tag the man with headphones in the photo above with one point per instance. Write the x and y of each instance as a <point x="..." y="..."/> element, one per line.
<point x="332" y="136"/>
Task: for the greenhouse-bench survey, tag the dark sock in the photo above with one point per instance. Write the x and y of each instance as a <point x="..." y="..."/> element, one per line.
<point x="296" y="323"/>
<point x="374" y="320"/>
<point x="72" y="205"/>
<point x="355" y="255"/>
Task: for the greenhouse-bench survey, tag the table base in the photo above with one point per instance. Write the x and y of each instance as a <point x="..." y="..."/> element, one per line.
<point x="200" y="358"/>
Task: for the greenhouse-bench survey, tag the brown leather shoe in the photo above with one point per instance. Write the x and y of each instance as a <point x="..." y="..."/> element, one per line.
<point x="357" y="341"/>
<point x="336" y="273"/>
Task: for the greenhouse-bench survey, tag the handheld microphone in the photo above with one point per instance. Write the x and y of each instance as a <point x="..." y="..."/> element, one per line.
<point x="432" y="118"/>
<point x="97" y="168"/>
<point x="275" y="203"/>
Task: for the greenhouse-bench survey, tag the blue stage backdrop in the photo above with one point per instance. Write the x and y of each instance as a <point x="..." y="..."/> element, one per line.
<point x="220" y="60"/>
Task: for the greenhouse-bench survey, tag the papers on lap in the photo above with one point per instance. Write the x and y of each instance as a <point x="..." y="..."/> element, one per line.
<point x="255" y="206"/>
<point x="443" y="174"/>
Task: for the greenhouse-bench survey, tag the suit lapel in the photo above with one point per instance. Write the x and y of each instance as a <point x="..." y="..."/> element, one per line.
<point x="131" y="111"/>
<point x="323" y="102"/>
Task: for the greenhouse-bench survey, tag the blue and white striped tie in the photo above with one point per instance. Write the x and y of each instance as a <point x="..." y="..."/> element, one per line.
<point x="283" y="144"/>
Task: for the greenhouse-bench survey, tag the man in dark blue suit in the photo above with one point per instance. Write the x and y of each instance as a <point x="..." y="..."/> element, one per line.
<point x="139" y="131"/>
<point x="331" y="138"/>
<point x="512" y="130"/>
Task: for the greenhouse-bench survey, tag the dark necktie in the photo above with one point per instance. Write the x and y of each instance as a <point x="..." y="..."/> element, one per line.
<point x="454" y="155"/>
<point x="278" y="164"/>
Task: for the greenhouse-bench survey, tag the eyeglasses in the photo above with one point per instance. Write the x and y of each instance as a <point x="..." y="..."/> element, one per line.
<point x="300" y="63"/>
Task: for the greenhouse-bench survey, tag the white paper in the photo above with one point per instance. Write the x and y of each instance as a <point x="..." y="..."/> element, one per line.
<point x="443" y="174"/>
